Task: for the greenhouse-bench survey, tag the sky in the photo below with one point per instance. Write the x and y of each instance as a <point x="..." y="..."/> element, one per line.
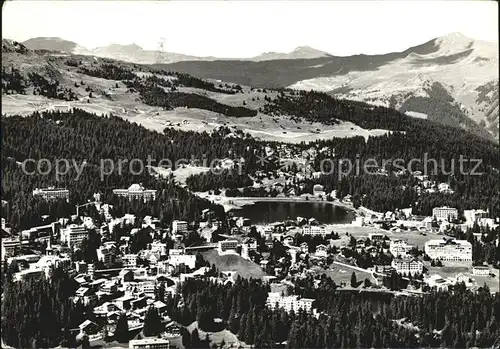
<point x="247" y="28"/>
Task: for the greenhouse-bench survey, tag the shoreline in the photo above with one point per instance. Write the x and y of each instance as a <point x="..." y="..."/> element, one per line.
<point x="235" y="203"/>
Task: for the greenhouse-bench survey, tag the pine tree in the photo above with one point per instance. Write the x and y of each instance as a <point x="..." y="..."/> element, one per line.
<point x="206" y="342"/>
<point x="195" y="339"/>
<point x="186" y="339"/>
<point x="233" y="322"/>
<point x="354" y="281"/>
<point x="249" y="328"/>
<point x="160" y="292"/>
<point x="152" y="323"/>
<point x="242" y="327"/>
<point x="121" y="331"/>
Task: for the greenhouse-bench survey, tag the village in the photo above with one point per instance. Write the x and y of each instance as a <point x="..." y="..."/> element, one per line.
<point x="130" y="265"/>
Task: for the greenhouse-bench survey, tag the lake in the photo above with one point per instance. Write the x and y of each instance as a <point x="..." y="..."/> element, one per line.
<point x="263" y="212"/>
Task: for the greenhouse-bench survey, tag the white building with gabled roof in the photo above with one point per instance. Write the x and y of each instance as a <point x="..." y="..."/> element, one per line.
<point x="408" y="266"/>
<point x="400" y="248"/>
<point x="321" y="251"/>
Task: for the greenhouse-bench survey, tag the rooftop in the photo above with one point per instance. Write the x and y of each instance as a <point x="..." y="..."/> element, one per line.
<point x="136" y="187"/>
<point x="445" y="241"/>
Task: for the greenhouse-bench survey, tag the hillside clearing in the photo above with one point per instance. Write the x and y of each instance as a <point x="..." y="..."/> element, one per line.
<point x="243" y="267"/>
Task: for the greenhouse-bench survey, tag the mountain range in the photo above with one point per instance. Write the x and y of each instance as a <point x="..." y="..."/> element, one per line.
<point x="136" y="54"/>
<point x="451" y="79"/>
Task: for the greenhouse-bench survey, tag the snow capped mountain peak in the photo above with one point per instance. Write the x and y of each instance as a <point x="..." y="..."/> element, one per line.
<point x="454" y="42"/>
<point x="119" y="47"/>
<point x="307" y="52"/>
<point x="455" y="36"/>
<point x="300" y="52"/>
<point x="475" y="51"/>
<point x="133" y="46"/>
<point x="461" y="66"/>
<point x="306" y="49"/>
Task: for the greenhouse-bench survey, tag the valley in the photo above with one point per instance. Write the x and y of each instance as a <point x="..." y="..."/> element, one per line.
<point x="270" y="230"/>
<point x="109" y="96"/>
<point x="460" y="64"/>
<point x="466" y="69"/>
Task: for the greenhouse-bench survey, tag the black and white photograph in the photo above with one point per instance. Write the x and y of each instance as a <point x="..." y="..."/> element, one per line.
<point x="250" y="174"/>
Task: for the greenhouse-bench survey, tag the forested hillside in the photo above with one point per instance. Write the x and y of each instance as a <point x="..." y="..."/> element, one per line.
<point x="349" y="319"/>
<point x="440" y="107"/>
<point x="318" y="106"/>
<point x="80" y="136"/>
<point x="455" y="319"/>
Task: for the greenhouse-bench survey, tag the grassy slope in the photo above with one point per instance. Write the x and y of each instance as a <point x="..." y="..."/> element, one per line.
<point x="243" y="267"/>
<point x="107" y="98"/>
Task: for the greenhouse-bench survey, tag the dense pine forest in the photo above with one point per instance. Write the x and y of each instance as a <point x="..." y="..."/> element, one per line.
<point x="321" y="107"/>
<point x="25" y="210"/>
<point x="226" y="179"/>
<point x="154" y="94"/>
<point x="39" y="313"/>
<point x="81" y="138"/>
<point x="159" y="92"/>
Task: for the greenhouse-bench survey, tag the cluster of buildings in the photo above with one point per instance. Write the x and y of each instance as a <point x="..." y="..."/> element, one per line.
<point x="449" y="250"/>
<point x="426" y="185"/>
<point x="439" y="283"/>
<point x="479" y="217"/>
<point x="442" y="219"/>
<point x="313" y="230"/>
<point x="32" y="266"/>
<point x="129" y="282"/>
<point x="166" y="261"/>
<point x="400" y="248"/>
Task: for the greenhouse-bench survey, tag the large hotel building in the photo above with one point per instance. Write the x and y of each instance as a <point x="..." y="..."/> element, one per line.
<point x="74" y="234"/>
<point x="444" y="213"/>
<point x="289" y="303"/>
<point x="136" y="191"/>
<point x="449" y="250"/>
<point x="52" y="193"/>
<point x="9" y="247"/>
